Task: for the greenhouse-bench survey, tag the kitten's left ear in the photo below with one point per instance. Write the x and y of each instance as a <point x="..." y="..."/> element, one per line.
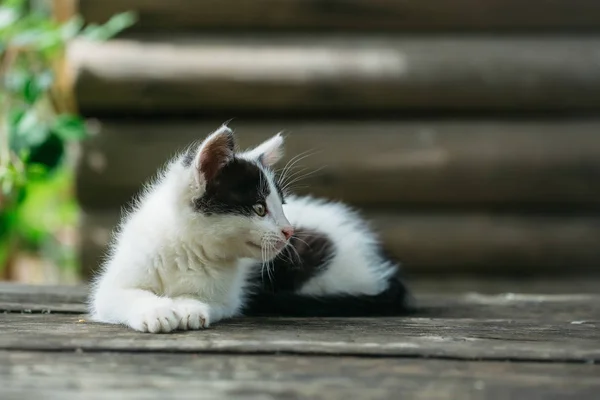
<point x="267" y="153"/>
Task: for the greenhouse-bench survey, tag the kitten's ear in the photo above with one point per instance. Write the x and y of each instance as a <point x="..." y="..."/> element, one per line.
<point x="268" y="152"/>
<point x="214" y="153"/>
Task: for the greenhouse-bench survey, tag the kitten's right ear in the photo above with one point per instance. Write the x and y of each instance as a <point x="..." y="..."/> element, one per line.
<point x="214" y="153"/>
<point x="268" y="152"/>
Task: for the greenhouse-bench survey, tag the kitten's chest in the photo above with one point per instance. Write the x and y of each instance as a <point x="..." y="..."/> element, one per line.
<point x="189" y="284"/>
<point x="178" y="277"/>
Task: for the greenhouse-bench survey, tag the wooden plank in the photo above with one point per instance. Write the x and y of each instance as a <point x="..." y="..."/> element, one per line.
<point x="337" y="74"/>
<point x="506" y="302"/>
<point x="449" y="243"/>
<point x="42" y="308"/>
<point x="47" y="294"/>
<point x="512" y="306"/>
<point x="534" y="164"/>
<point x="442" y="285"/>
<point x="45" y="299"/>
<point x="572" y="308"/>
<point x="469" y="339"/>
<point x="456" y="284"/>
<point x="25" y="375"/>
<point x="424" y="15"/>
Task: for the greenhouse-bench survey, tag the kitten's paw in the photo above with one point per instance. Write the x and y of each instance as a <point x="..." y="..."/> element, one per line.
<point x="156" y="317"/>
<point x="193" y="314"/>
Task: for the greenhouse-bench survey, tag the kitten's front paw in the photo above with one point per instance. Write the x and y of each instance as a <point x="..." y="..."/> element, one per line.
<point x="193" y="314"/>
<point x="156" y="317"/>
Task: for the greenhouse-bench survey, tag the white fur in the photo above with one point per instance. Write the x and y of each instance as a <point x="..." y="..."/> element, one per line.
<point x="171" y="267"/>
<point x="271" y="151"/>
<point x="356" y="267"/>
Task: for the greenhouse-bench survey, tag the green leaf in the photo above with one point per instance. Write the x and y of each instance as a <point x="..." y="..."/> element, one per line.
<point x="71" y="28"/>
<point x="36" y="85"/>
<point x="69" y="127"/>
<point x="37" y="171"/>
<point x="44" y="36"/>
<point x="30" y="131"/>
<point x="8" y="16"/>
<point x="28" y="86"/>
<point x="112" y="27"/>
<point x="31" y="91"/>
<point x="11" y="180"/>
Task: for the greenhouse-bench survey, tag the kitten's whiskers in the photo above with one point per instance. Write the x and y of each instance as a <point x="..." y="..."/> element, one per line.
<point x="290" y="164"/>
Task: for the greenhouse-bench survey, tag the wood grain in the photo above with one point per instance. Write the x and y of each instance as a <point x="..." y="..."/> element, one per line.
<point x="506" y="300"/>
<point x="462" y="338"/>
<point x="500" y="164"/>
<point x="336" y="74"/>
<point x="424" y="15"/>
<point x="26" y="375"/>
<point x="47" y="294"/>
<point x="447" y="243"/>
<point x="513" y="306"/>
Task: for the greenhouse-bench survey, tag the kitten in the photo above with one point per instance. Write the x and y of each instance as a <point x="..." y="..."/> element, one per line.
<point x="190" y="252"/>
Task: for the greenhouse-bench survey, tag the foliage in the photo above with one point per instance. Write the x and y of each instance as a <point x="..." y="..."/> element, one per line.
<point x="38" y="121"/>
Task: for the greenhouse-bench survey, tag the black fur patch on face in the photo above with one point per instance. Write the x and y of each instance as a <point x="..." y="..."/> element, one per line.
<point x="311" y="254"/>
<point x="235" y="189"/>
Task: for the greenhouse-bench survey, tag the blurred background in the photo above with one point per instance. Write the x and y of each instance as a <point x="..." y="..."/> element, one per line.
<point x="466" y="130"/>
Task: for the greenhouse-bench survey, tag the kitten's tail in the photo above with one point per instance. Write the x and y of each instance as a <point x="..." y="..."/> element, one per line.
<point x="395" y="300"/>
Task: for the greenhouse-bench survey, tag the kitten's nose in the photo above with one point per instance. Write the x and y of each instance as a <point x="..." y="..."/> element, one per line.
<point x="287" y="232"/>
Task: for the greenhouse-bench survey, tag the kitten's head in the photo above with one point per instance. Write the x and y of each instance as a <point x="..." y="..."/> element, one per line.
<point x="238" y="196"/>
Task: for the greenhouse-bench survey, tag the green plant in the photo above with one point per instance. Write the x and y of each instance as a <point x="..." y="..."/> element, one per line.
<point x="38" y="122"/>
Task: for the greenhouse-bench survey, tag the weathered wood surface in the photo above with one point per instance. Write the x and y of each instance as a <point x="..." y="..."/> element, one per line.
<point x="450" y="350"/>
<point x="450" y="243"/>
<point x="519" y="306"/>
<point x="48" y="294"/>
<point x="337" y="74"/>
<point x="25" y="375"/>
<point x="535" y="164"/>
<point x="505" y="300"/>
<point x="42" y="298"/>
<point x="433" y="292"/>
<point x="424" y="15"/>
<point x="458" y="338"/>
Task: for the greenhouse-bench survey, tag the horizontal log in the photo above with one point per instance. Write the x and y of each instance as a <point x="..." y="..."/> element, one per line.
<point x="484" y="164"/>
<point x="336" y="74"/>
<point x="28" y="375"/>
<point x="424" y="15"/>
<point x="487" y="244"/>
<point x="464" y="339"/>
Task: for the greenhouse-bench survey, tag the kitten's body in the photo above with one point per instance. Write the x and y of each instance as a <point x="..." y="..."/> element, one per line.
<point x="190" y="252"/>
<point x="333" y="266"/>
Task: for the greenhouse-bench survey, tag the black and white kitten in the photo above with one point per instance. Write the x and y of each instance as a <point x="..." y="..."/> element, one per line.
<point x="214" y="237"/>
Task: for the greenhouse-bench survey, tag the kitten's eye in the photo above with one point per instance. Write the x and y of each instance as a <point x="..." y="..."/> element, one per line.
<point x="260" y="209"/>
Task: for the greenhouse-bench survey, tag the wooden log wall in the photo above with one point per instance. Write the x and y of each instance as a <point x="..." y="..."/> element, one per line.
<point x="469" y="132"/>
<point x="354" y="15"/>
